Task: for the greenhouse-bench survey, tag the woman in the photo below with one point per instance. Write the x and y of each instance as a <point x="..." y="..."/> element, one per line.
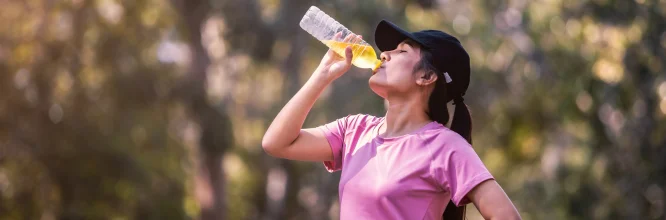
<point x="407" y="164"/>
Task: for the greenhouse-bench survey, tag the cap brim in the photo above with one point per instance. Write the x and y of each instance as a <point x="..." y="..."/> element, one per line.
<point x="388" y="36"/>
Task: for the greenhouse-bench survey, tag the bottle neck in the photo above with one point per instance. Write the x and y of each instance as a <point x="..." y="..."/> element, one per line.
<point x="377" y="63"/>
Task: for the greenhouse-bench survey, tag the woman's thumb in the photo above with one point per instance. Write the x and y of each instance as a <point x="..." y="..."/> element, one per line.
<point x="348" y="54"/>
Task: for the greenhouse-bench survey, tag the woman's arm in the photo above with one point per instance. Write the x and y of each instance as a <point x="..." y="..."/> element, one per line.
<point x="492" y="202"/>
<point x="284" y="137"/>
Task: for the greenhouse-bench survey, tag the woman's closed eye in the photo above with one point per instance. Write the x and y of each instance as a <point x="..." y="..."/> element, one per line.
<point x="402" y="51"/>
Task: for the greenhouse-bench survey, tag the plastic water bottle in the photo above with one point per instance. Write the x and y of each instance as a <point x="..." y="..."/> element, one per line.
<point x="335" y="36"/>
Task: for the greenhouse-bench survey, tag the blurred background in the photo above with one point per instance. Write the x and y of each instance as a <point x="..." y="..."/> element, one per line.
<point x="155" y="109"/>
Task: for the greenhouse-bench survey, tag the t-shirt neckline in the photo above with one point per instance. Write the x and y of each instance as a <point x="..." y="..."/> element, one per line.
<point x="428" y="126"/>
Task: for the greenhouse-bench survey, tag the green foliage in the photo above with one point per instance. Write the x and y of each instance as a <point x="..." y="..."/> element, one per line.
<point x="154" y="109"/>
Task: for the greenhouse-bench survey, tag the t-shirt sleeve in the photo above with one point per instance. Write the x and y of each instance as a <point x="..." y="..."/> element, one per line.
<point x="458" y="169"/>
<point x="335" y="134"/>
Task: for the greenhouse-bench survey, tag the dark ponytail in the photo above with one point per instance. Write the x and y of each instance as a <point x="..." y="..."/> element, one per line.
<point x="438" y="111"/>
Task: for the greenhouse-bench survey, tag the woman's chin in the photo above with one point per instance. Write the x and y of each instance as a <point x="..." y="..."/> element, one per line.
<point x="377" y="78"/>
<point x="377" y="86"/>
<point x="374" y="81"/>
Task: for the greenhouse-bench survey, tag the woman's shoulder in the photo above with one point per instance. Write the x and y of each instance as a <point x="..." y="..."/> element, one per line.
<point x="444" y="143"/>
<point x="363" y="117"/>
<point x="443" y="137"/>
<point x="361" y="120"/>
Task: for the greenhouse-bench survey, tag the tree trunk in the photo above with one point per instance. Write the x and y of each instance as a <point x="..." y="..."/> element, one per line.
<point x="215" y="127"/>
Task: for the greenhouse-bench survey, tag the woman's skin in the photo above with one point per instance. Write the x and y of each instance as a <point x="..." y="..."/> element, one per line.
<point x="407" y="95"/>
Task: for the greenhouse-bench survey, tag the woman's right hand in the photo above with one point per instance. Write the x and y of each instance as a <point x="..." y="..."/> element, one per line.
<point x="285" y="137"/>
<point x="333" y="65"/>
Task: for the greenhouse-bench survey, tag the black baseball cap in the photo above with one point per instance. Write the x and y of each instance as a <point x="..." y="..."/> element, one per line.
<point x="450" y="58"/>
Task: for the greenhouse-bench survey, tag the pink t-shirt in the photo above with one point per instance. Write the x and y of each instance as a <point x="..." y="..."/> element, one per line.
<point x="412" y="176"/>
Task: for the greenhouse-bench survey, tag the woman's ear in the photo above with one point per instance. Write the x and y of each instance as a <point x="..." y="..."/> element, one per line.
<point x="426" y="78"/>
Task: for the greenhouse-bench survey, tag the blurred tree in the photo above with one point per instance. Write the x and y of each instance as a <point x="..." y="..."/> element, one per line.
<point x="154" y="109"/>
<point x="214" y="123"/>
<point x="84" y="123"/>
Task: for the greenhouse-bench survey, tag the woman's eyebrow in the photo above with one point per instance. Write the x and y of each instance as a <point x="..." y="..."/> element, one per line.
<point x="400" y="46"/>
<point x="409" y="43"/>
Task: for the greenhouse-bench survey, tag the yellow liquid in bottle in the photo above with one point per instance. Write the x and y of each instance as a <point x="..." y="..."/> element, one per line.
<point x="364" y="55"/>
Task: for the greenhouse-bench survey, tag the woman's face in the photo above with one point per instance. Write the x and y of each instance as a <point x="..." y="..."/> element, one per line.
<point x="396" y="74"/>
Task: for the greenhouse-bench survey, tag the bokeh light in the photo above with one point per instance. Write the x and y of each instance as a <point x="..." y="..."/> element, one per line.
<point x="153" y="109"/>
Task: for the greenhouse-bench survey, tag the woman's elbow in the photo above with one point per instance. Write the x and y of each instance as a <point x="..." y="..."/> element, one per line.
<point x="509" y="215"/>
<point x="270" y="146"/>
<point x="267" y="145"/>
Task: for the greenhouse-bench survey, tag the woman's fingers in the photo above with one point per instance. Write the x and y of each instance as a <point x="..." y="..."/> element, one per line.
<point x="358" y="39"/>
<point x="348" y="55"/>
<point x="348" y="38"/>
<point x="337" y="36"/>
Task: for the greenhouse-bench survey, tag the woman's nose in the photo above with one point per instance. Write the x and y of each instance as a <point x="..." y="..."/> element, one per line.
<point x="385" y="56"/>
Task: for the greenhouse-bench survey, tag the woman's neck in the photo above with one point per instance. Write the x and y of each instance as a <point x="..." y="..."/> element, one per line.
<point x="404" y="116"/>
